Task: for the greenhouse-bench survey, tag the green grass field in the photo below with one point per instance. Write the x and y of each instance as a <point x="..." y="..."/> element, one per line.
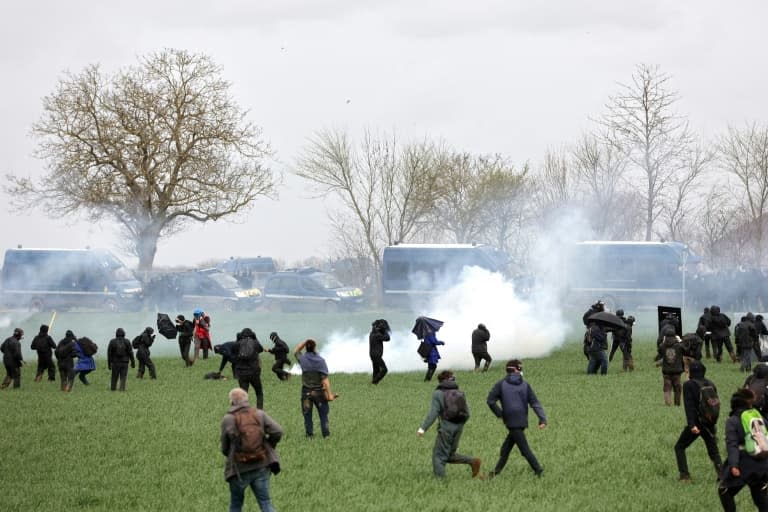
<point x="608" y="445"/>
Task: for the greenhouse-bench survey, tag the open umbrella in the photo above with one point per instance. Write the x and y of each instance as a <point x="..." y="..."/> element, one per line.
<point x="425" y="325"/>
<point x="165" y="326"/>
<point x="607" y="320"/>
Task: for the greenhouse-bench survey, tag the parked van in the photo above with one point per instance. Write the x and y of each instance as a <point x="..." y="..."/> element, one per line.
<point x="249" y="272"/>
<point x="46" y="279"/>
<point x="413" y="273"/>
<point x="309" y="289"/>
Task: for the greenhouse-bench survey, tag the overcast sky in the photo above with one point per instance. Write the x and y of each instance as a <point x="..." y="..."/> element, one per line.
<point x="509" y="77"/>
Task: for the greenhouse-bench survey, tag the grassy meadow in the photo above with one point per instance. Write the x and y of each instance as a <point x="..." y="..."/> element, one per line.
<point x="608" y="446"/>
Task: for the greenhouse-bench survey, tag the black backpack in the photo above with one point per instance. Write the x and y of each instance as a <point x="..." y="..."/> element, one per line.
<point x="247" y="351"/>
<point x="456" y="409"/>
<point x="121" y="348"/>
<point x="709" y="403"/>
<point x="424" y="350"/>
<point x="87" y="345"/>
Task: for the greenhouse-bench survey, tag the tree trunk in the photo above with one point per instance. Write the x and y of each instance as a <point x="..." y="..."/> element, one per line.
<point x="146" y="248"/>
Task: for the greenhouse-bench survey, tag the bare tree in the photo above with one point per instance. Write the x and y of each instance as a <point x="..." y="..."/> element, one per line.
<point x="154" y="146"/>
<point x="506" y="213"/>
<point x="744" y="154"/>
<point x="641" y="122"/>
<point x="386" y="190"/>
<point x="716" y="219"/>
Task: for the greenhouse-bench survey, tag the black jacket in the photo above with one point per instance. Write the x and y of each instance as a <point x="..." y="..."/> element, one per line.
<point x="691" y="399"/>
<point x="752" y="470"/>
<point x="44" y="345"/>
<point x="113" y="352"/>
<point x="719" y="326"/>
<point x="376" y="342"/>
<point x="245" y="367"/>
<point x="11" y="349"/>
<point x="280" y="350"/>
<point x="142" y="342"/>
<point x="670" y="354"/>
<point x="185" y="329"/>
<point x="66" y="353"/>
<point x="515" y="396"/>
<point x="480" y="339"/>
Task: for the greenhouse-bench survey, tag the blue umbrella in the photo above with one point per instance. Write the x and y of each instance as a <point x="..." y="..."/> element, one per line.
<point x="425" y="325"/>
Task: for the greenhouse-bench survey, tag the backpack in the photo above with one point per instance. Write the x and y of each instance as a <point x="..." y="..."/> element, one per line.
<point x="249" y="440"/>
<point x="136" y="341"/>
<point x="424" y="350"/>
<point x="247" y="349"/>
<point x="755" y="434"/>
<point x="87" y="345"/>
<point x="456" y="409"/>
<point x="61" y="350"/>
<point x="121" y="348"/>
<point x="165" y="326"/>
<point x="709" y="403"/>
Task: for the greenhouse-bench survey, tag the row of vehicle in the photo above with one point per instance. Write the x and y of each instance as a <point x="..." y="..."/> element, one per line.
<point x="60" y="279"/>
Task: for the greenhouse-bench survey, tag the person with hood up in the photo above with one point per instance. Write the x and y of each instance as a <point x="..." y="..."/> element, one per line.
<point x="758" y="383"/>
<point x="719" y="324"/>
<point x="247" y="365"/>
<point x="480" y="337"/>
<point x="186" y="330"/>
<point x="622" y="339"/>
<point x="44" y="345"/>
<point x="597" y="307"/>
<point x="379" y="334"/>
<point x="65" y="359"/>
<point x="595" y="346"/>
<point x="12" y="358"/>
<point x="696" y="426"/>
<point x="280" y="351"/>
<point x="745" y="336"/>
<point x="227" y="356"/>
<point x="515" y="396"/>
<point x="119" y="353"/>
<point x="702" y="329"/>
<point x="448" y="432"/>
<point x="141" y="343"/>
<point x="85" y="363"/>
<point x="762" y="338"/>
<point x="741" y="468"/>
<point x="249" y="473"/>
<point x="670" y="358"/>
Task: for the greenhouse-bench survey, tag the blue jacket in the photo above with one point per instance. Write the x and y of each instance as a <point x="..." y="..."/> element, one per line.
<point x="515" y="396"/>
<point x="434" y="355"/>
<point x="84" y="362"/>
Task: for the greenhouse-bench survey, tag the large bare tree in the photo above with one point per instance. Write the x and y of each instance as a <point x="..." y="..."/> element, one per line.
<point x="641" y="122"/>
<point x="744" y="154"/>
<point x="152" y="146"/>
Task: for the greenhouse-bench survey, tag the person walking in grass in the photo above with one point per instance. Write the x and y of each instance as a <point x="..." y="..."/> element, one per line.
<point x="449" y="428"/>
<point x="698" y="425"/>
<point x="247" y="366"/>
<point x="12" y="359"/>
<point x="186" y="330"/>
<point x="65" y="359"/>
<point x="85" y="363"/>
<point x="119" y="353"/>
<point x="379" y="334"/>
<point x="248" y="441"/>
<point x="515" y="396"/>
<point x="141" y="343"/>
<point x="280" y="351"/>
<point x="44" y="345"/>
<point x="741" y="468"/>
<point x="670" y="359"/>
<point x="480" y="337"/>
<point x="315" y="387"/>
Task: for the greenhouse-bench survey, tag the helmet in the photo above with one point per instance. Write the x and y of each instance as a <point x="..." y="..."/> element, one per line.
<point x="198" y="312"/>
<point x="619" y="312"/>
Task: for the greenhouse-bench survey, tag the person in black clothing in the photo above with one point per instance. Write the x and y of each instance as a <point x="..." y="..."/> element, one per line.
<point x="761" y="330"/>
<point x="119" y="353"/>
<point x="44" y="345"/>
<point x="248" y="369"/>
<point x="757" y="381"/>
<point x="741" y="468"/>
<point x="65" y="358"/>
<point x="12" y="359"/>
<point x="670" y="359"/>
<point x="745" y="336"/>
<point x="719" y="324"/>
<point x="597" y="307"/>
<point x="595" y="345"/>
<point x="141" y="343"/>
<point x="622" y="339"/>
<point x="702" y="329"/>
<point x="696" y="427"/>
<point x="227" y="356"/>
<point x="379" y="334"/>
<point x="280" y="351"/>
<point x="186" y="330"/>
<point x="480" y="337"/>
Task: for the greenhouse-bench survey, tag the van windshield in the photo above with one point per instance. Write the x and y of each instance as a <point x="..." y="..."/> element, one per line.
<point x="225" y="280"/>
<point x="327" y="281"/>
<point x="122" y="274"/>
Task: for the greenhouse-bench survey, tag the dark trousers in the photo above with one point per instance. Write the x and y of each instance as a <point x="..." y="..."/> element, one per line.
<point x="315" y="399"/>
<point x="66" y="376"/>
<point x="686" y="439"/>
<point x="146" y="362"/>
<point x="45" y="363"/>
<point x="184" y="345"/>
<point x="82" y="374"/>
<point x="717" y="347"/>
<point x="12" y="374"/>
<point x="277" y="368"/>
<point x="446" y="444"/>
<point x="120" y="371"/>
<point x="430" y="371"/>
<point x="254" y="380"/>
<point x="516" y="436"/>
<point x="379" y="369"/>
<point x="759" y="497"/>
<point x="482" y="356"/>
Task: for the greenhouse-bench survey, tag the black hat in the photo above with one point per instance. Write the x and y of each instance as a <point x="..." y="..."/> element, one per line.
<point x="69" y="334"/>
<point x="273" y="336"/>
<point x="120" y="333"/>
<point x="180" y="318"/>
<point x="43" y="329"/>
<point x="697" y="370"/>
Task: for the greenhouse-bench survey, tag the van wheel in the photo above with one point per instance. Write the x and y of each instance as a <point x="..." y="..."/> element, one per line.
<point x="37" y="305"/>
<point x="331" y="307"/>
<point x="111" y="306"/>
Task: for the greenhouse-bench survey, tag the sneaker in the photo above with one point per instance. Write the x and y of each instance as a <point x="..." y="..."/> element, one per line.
<point x="475" y="465"/>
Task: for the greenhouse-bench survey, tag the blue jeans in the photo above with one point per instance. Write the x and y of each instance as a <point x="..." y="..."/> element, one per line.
<point x="258" y="481"/>
<point x="310" y="400"/>
<point x="597" y="359"/>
